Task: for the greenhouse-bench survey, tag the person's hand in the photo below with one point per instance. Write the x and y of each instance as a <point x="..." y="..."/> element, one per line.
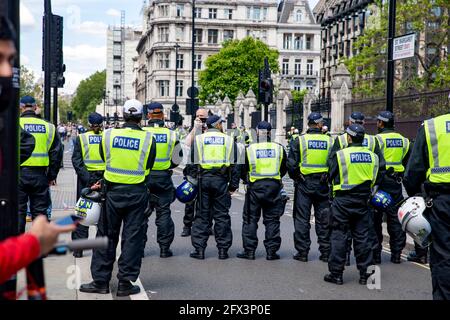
<point x="198" y="123"/>
<point x="97" y="186"/>
<point x="47" y="233"/>
<point x="52" y="183"/>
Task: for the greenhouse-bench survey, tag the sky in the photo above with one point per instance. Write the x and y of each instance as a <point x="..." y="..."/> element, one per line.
<point x="85" y="24"/>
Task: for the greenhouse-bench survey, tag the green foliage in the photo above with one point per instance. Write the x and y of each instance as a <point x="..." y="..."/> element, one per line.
<point x="88" y="95"/>
<point x="28" y="85"/>
<point x="420" y="16"/>
<point x="63" y="107"/>
<point x="298" y="96"/>
<point x="235" y="68"/>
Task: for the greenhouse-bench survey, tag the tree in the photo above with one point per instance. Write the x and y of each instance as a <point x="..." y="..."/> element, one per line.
<point x="63" y="108"/>
<point x="89" y="94"/>
<point x="235" y="68"/>
<point x="298" y="96"/>
<point x="28" y="85"/>
<point x="429" y="19"/>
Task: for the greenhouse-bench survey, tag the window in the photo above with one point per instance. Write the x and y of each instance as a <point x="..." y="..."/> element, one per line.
<point x="164" y="11"/>
<point x="228" y="14"/>
<point x="297" y="85"/>
<point x="163" y="88"/>
<point x="197" y="61"/>
<point x="263" y="36"/>
<point x="256" y="13"/>
<point x="309" y="67"/>
<point x="117" y="64"/>
<point x="198" y="36"/>
<point x="285" y="68"/>
<point x="265" y="10"/>
<point x="228" y="35"/>
<point x="163" y="60"/>
<point x="179" y="91"/>
<point x="117" y="49"/>
<point x="180" y="10"/>
<point x="298" y="42"/>
<point x="180" y="61"/>
<point x="213" y="13"/>
<point x="287" y="41"/>
<point x="299" y="16"/>
<point x="117" y="34"/>
<point x="163" y="34"/>
<point x="298" y="66"/>
<point x="198" y="13"/>
<point x="249" y="13"/>
<point x="212" y="36"/>
<point x="180" y="34"/>
<point x="308" y="42"/>
<point x="309" y="85"/>
<point x="117" y="78"/>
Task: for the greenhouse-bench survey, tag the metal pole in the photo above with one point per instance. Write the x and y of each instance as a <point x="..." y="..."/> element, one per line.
<point x="9" y="164"/>
<point x="193" y="59"/>
<point x="47" y="63"/>
<point x="391" y="62"/>
<point x="55" y="106"/>
<point x="176" y="71"/>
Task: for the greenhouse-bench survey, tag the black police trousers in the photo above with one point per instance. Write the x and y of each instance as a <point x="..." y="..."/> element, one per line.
<point x="372" y="234"/>
<point x="397" y="237"/>
<point x="350" y="213"/>
<point x="161" y="197"/>
<point x="82" y="232"/>
<point x="189" y="213"/>
<point x="125" y="204"/>
<point x="439" y="219"/>
<point x="308" y="193"/>
<point x="33" y="188"/>
<point x="263" y="195"/>
<point x="214" y="203"/>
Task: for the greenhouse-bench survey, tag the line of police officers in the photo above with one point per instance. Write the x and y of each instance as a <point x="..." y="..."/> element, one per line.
<point x="136" y="163"/>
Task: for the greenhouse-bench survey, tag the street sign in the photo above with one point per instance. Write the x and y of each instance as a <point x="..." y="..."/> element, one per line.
<point x="404" y="46"/>
<point x="192" y="92"/>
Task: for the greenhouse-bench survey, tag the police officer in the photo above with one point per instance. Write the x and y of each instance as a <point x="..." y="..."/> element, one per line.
<point x="265" y="165"/>
<point x="353" y="172"/>
<point x="88" y="165"/>
<point x="395" y="149"/>
<point x="41" y="169"/>
<point x="371" y="143"/>
<point x="216" y="155"/>
<point x="429" y="166"/>
<point x="307" y="165"/>
<point x="128" y="153"/>
<point x="160" y="180"/>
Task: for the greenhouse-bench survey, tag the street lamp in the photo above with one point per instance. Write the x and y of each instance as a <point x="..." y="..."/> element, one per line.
<point x="193" y="60"/>
<point x="177" y="47"/>
<point x="145" y="85"/>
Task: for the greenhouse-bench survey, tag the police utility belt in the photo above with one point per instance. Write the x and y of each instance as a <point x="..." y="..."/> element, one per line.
<point x="222" y="171"/>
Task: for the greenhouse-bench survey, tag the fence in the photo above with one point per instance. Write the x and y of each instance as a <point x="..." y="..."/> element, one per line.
<point x="410" y="110"/>
<point x="294" y="116"/>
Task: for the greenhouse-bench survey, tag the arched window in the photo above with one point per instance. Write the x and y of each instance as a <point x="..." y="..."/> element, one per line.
<point x="297" y="85"/>
<point x="309" y="85"/>
<point x="298" y="16"/>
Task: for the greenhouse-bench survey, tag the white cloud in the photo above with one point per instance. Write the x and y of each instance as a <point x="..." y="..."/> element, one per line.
<point x="73" y="79"/>
<point x="113" y="13"/>
<point x="86" y="53"/>
<point x="27" y="21"/>
<point x="92" y="28"/>
<point x="24" y="60"/>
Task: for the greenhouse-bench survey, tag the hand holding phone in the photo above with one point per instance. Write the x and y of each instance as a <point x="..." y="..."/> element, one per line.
<point x="69" y="220"/>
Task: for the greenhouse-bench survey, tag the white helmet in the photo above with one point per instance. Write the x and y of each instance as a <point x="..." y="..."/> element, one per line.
<point x="413" y="222"/>
<point x="89" y="207"/>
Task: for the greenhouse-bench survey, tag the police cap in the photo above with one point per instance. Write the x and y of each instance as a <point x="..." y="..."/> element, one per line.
<point x="357" y="117"/>
<point x="356" y="131"/>
<point x="315" y="118"/>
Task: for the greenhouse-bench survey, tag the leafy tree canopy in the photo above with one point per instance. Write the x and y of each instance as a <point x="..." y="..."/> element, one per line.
<point x="235" y="68"/>
<point x="88" y="95"/>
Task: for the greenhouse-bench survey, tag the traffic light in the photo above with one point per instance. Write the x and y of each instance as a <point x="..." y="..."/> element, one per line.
<point x="265" y="85"/>
<point x="57" y="66"/>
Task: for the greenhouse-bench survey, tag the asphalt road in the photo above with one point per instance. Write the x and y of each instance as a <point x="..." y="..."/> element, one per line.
<point x="181" y="277"/>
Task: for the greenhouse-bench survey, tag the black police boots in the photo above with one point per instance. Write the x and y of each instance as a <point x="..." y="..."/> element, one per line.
<point x="363" y="278"/>
<point x="246" y="254"/>
<point x="414" y="257"/>
<point x="223" y="254"/>
<point x="198" y="254"/>
<point x="126" y="288"/>
<point x="186" y="232"/>
<point x="301" y="257"/>
<point x="395" y="258"/>
<point x="271" y="255"/>
<point x="95" y="287"/>
<point x="165" y="253"/>
<point x="334" y="278"/>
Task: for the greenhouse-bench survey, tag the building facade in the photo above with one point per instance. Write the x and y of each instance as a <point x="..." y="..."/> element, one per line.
<point x="163" y="62"/>
<point x="121" y="49"/>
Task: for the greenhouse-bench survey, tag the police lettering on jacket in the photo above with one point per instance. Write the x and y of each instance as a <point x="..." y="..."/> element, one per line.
<point x="34" y="128"/>
<point x="448" y="126"/>
<point x="394" y="143"/>
<point x="265" y="153"/>
<point x="215" y="140"/>
<point x="160" y="138"/>
<point x="360" y="157"/>
<point x="95" y="139"/>
<point x="317" y="144"/>
<point x="126" y="143"/>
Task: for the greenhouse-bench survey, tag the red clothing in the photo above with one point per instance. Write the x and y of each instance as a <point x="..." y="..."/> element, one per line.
<point x="17" y="253"/>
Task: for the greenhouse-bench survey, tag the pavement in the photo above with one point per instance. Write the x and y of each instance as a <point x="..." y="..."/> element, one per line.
<point x="183" y="278"/>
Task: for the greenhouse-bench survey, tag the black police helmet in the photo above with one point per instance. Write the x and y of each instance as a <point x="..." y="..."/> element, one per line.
<point x="357" y="117"/>
<point x="315" y="118"/>
<point x="357" y="132"/>
<point x="386" y="117"/>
